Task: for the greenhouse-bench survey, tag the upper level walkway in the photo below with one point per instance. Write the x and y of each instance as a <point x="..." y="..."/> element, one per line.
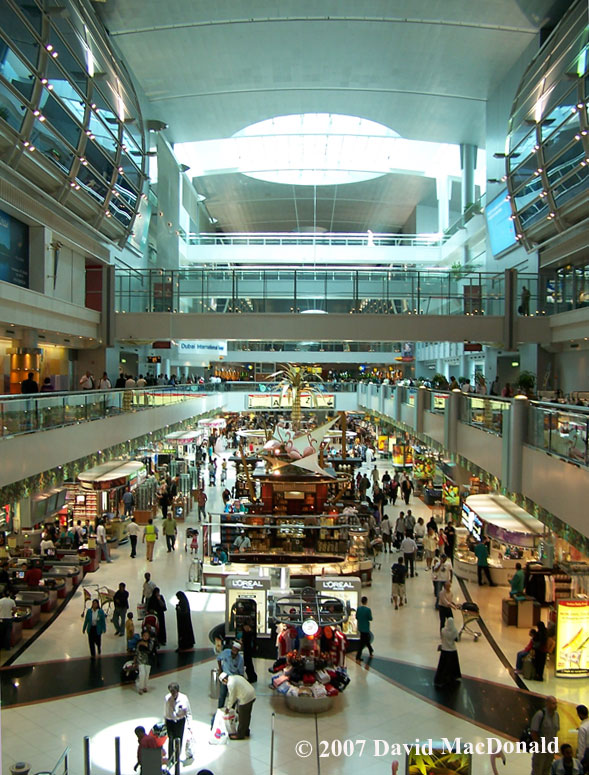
<point x="370" y="304"/>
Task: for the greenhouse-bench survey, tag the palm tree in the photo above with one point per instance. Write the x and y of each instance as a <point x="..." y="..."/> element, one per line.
<point x="294" y="380"/>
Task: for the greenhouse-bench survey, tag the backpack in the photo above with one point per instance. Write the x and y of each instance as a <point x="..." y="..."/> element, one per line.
<point x="399" y="573"/>
<point x="526" y="735"/>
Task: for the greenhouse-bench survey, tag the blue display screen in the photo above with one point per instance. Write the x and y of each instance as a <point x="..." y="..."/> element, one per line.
<point x="500" y="227"/>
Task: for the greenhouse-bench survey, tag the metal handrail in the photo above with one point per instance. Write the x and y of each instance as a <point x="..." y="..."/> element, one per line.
<point x="318" y="238"/>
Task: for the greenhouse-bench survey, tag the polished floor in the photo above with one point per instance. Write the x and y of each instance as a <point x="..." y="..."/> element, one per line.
<point x="53" y="695"/>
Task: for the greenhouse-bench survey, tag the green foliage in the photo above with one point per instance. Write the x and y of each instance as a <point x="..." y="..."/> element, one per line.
<point x="439" y="381"/>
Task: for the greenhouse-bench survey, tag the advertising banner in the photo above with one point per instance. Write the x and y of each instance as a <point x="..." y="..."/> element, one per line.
<point x="572" y="638"/>
<point x="14" y="251"/>
<point x="279" y="401"/>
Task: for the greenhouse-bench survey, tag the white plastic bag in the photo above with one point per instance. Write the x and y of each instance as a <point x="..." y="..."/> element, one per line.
<point x="219" y="734"/>
<point x="230" y="719"/>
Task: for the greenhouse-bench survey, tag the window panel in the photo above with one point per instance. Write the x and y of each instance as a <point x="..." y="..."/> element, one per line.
<point x="99" y="161"/>
<point x="130" y="171"/>
<point x="74" y="69"/>
<point x="91" y="183"/>
<point x="52" y="147"/>
<point x="534" y="212"/>
<point x="566" y="163"/>
<point x="572" y="186"/>
<point x="31" y="12"/>
<point x="15" y="72"/>
<point x="561" y="137"/>
<point x="60" y="119"/>
<point x="19" y="36"/>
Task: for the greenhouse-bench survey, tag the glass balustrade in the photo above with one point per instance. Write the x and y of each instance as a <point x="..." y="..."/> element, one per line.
<point x="286" y="290"/>
<point x="26" y="414"/>
<point x="559" y="431"/>
<point x="484" y="412"/>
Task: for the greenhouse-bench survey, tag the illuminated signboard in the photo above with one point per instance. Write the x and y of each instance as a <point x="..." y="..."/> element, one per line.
<point x="472" y="522"/>
<point x="572" y="638"/>
<point x="280" y="401"/>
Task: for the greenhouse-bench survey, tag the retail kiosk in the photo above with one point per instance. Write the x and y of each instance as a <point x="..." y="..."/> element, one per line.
<point x="100" y="490"/>
<point x="514" y="536"/>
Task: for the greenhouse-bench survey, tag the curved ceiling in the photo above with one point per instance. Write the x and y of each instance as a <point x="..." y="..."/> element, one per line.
<point x="425" y="67"/>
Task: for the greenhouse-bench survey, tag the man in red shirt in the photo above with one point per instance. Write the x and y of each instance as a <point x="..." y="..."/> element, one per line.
<point x="33" y="576"/>
<point x="146" y="740"/>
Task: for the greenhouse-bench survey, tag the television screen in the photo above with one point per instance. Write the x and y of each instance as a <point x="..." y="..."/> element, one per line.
<point x="39" y="509"/>
<point x="500" y="227"/>
<point x="61" y="497"/>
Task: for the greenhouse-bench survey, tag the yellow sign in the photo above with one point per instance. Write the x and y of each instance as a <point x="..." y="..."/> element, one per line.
<point x="279" y="401"/>
<point x="572" y="638"/>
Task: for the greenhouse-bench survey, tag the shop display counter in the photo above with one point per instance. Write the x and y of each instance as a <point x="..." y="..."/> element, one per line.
<point x="304" y="572"/>
<point x="34" y="600"/>
<point x="309" y="704"/>
<point x="524" y="612"/>
<point x="117" y="530"/>
<point x="71" y="557"/>
<point x="93" y="556"/>
<point x="71" y="571"/>
<point x="63" y="583"/>
<point x="465" y="567"/>
<point x="20" y="615"/>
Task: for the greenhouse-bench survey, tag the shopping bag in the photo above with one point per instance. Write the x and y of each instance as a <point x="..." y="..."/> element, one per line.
<point x="141" y="609"/>
<point x="219" y="734"/>
<point x="230" y="719"/>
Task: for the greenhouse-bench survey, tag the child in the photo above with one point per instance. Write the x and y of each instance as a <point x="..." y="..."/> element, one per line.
<point x="194" y="542"/>
<point x="132" y="639"/>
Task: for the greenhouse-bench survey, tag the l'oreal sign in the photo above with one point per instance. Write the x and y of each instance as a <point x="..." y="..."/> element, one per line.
<point x="242" y="583"/>
<point x="339" y="585"/>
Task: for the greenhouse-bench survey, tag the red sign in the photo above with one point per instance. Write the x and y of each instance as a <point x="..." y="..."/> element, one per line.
<point x="472" y="347"/>
<point x="162" y="345"/>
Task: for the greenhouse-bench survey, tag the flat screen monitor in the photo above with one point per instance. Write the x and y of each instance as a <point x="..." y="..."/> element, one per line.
<point x="60" y="502"/>
<point x="500" y="227"/>
<point x="39" y="509"/>
<point x="20" y="574"/>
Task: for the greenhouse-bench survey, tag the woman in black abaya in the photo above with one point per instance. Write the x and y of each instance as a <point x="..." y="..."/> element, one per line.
<point x="184" y="623"/>
<point x="157" y="605"/>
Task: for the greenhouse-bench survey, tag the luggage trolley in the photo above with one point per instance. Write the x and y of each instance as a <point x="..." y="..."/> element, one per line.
<point x="470" y="613"/>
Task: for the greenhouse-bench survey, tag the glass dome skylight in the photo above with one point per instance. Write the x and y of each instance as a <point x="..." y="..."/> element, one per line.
<point x="318" y="149"/>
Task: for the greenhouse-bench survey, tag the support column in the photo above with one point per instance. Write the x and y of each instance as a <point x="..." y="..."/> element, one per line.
<point x="517" y="436"/>
<point x="443" y="195"/>
<point x="420" y="399"/>
<point x="468" y="164"/>
<point x="451" y="421"/>
<point x="397" y="404"/>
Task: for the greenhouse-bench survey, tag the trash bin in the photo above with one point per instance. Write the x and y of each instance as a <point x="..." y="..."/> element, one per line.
<point x="20" y="768"/>
<point x="214" y="687"/>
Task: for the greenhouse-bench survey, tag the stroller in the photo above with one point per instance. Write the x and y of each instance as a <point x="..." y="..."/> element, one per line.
<point x="375" y="550"/>
<point x="470" y="613"/>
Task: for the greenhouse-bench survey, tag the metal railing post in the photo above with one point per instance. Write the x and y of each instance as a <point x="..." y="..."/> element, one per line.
<point x="87" y="770"/>
<point x="177" y="756"/>
<point x="272" y="745"/>
<point x="117" y="756"/>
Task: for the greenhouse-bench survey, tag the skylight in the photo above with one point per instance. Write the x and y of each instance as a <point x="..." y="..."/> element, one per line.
<point x="318" y="149"/>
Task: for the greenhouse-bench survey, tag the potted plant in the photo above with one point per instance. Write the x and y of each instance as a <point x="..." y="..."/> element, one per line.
<point x="526" y="382"/>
